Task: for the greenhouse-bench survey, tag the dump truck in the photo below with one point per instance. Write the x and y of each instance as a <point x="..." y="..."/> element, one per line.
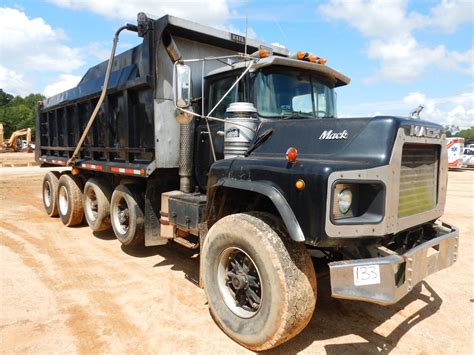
<point x="233" y="147"/>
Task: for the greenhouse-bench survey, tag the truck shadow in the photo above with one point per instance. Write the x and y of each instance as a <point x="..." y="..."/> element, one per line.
<point x="105" y="235"/>
<point x="179" y="258"/>
<point x="335" y="318"/>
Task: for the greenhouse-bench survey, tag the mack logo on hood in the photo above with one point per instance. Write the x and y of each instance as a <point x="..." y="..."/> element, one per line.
<point x="334" y="135"/>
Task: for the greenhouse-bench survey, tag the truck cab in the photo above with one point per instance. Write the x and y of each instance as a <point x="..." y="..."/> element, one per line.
<point x="280" y="88"/>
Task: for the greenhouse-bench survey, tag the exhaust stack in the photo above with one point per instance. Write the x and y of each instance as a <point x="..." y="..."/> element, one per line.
<point x="171" y="47"/>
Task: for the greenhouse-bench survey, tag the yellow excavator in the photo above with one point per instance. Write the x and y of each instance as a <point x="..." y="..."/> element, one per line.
<point x="12" y="142"/>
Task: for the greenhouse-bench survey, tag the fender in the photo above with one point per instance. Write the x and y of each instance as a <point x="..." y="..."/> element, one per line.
<point x="269" y="190"/>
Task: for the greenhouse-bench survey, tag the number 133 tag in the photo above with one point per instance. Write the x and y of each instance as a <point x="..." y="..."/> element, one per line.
<point x="366" y="275"/>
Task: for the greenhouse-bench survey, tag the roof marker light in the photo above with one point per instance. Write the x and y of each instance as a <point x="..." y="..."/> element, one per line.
<point x="309" y="57"/>
<point x="263" y="53"/>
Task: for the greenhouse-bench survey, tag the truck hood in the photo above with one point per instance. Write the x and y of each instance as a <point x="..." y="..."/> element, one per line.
<point x="364" y="139"/>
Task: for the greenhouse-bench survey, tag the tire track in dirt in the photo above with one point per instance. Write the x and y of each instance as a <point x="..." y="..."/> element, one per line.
<point x="72" y="274"/>
<point x="81" y="330"/>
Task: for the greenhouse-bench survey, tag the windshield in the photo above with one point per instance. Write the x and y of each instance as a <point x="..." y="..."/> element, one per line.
<point x="291" y="93"/>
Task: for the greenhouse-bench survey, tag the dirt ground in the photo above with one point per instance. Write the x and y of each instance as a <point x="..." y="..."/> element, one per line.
<point x="14" y="159"/>
<point x="66" y="290"/>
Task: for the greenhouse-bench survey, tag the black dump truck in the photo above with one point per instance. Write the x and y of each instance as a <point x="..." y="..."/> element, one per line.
<point x="233" y="147"/>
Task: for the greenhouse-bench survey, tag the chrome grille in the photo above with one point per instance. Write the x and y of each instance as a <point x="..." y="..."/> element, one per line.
<point x="418" y="179"/>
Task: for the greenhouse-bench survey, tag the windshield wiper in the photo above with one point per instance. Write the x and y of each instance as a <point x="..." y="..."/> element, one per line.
<point x="259" y="141"/>
<point x="297" y="115"/>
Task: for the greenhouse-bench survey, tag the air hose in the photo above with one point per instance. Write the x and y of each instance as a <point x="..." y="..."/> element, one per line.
<point x="128" y="27"/>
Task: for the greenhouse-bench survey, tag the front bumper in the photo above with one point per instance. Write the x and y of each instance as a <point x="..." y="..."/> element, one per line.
<point x="396" y="274"/>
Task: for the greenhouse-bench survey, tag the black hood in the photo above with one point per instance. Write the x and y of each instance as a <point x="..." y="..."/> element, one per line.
<point x="349" y="139"/>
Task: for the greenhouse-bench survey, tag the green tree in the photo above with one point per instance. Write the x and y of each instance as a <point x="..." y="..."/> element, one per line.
<point x="467" y="134"/>
<point x="17" y="112"/>
<point x="5" y="98"/>
<point x="451" y="130"/>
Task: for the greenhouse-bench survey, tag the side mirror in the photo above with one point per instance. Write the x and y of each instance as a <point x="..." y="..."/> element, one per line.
<point x="182" y="89"/>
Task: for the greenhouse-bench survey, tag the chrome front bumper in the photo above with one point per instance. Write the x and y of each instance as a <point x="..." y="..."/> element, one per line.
<point x="398" y="274"/>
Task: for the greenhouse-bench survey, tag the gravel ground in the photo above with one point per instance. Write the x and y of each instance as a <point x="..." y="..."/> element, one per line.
<point x="66" y="290"/>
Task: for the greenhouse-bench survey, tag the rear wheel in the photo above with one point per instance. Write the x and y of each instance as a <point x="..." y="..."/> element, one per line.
<point x="97" y="195"/>
<point x="260" y="285"/>
<point x="126" y="213"/>
<point x="50" y="191"/>
<point x="69" y="200"/>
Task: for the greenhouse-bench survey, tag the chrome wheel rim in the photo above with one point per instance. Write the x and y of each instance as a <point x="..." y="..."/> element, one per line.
<point x="91" y="205"/>
<point x="63" y="200"/>
<point x="239" y="282"/>
<point x="47" y="194"/>
<point x="121" y="216"/>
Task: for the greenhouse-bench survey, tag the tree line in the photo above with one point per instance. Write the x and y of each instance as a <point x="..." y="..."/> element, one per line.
<point x="18" y="112"/>
<point x="454" y="131"/>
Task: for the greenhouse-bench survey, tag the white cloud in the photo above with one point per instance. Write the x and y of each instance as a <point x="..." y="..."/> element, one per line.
<point x="392" y="42"/>
<point x="376" y="18"/>
<point x="389" y="18"/>
<point x="210" y="12"/>
<point x="450" y="14"/>
<point x="403" y="59"/>
<point x="100" y="50"/>
<point x="13" y="83"/>
<point x="453" y="110"/>
<point x="65" y="82"/>
<point x="33" y="45"/>
<point x="457" y="110"/>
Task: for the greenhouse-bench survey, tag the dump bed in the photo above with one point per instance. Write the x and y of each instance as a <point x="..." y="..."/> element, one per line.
<point x="122" y="134"/>
<point x="135" y="131"/>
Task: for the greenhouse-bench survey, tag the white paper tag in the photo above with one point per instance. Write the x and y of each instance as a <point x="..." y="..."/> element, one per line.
<point x="366" y="275"/>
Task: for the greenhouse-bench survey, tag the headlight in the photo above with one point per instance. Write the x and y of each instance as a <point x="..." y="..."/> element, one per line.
<point x="358" y="202"/>
<point x="344" y="201"/>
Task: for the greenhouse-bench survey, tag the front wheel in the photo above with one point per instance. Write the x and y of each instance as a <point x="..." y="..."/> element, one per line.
<point x="260" y="285"/>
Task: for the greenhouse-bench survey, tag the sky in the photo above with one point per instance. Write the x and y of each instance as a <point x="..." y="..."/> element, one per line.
<point x="398" y="53"/>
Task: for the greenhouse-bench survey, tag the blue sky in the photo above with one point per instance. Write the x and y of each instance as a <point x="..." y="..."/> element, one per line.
<point x="398" y="53"/>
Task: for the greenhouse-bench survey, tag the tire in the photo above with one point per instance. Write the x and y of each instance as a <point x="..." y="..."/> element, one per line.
<point x="278" y="270"/>
<point x="50" y="193"/>
<point x="97" y="195"/>
<point x="126" y="214"/>
<point x="70" y="200"/>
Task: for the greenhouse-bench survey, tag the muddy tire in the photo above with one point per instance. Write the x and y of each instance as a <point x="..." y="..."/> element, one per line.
<point x="69" y="200"/>
<point x="97" y="195"/>
<point x="260" y="285"/>
<point x="126" y="214"/>
<point x="50" y="193"/>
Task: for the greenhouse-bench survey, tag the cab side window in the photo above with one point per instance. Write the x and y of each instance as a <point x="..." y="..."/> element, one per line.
<point x="218" y="88"/>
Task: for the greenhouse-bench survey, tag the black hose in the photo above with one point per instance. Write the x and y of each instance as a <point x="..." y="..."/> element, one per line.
<point x="128" y="27"/>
